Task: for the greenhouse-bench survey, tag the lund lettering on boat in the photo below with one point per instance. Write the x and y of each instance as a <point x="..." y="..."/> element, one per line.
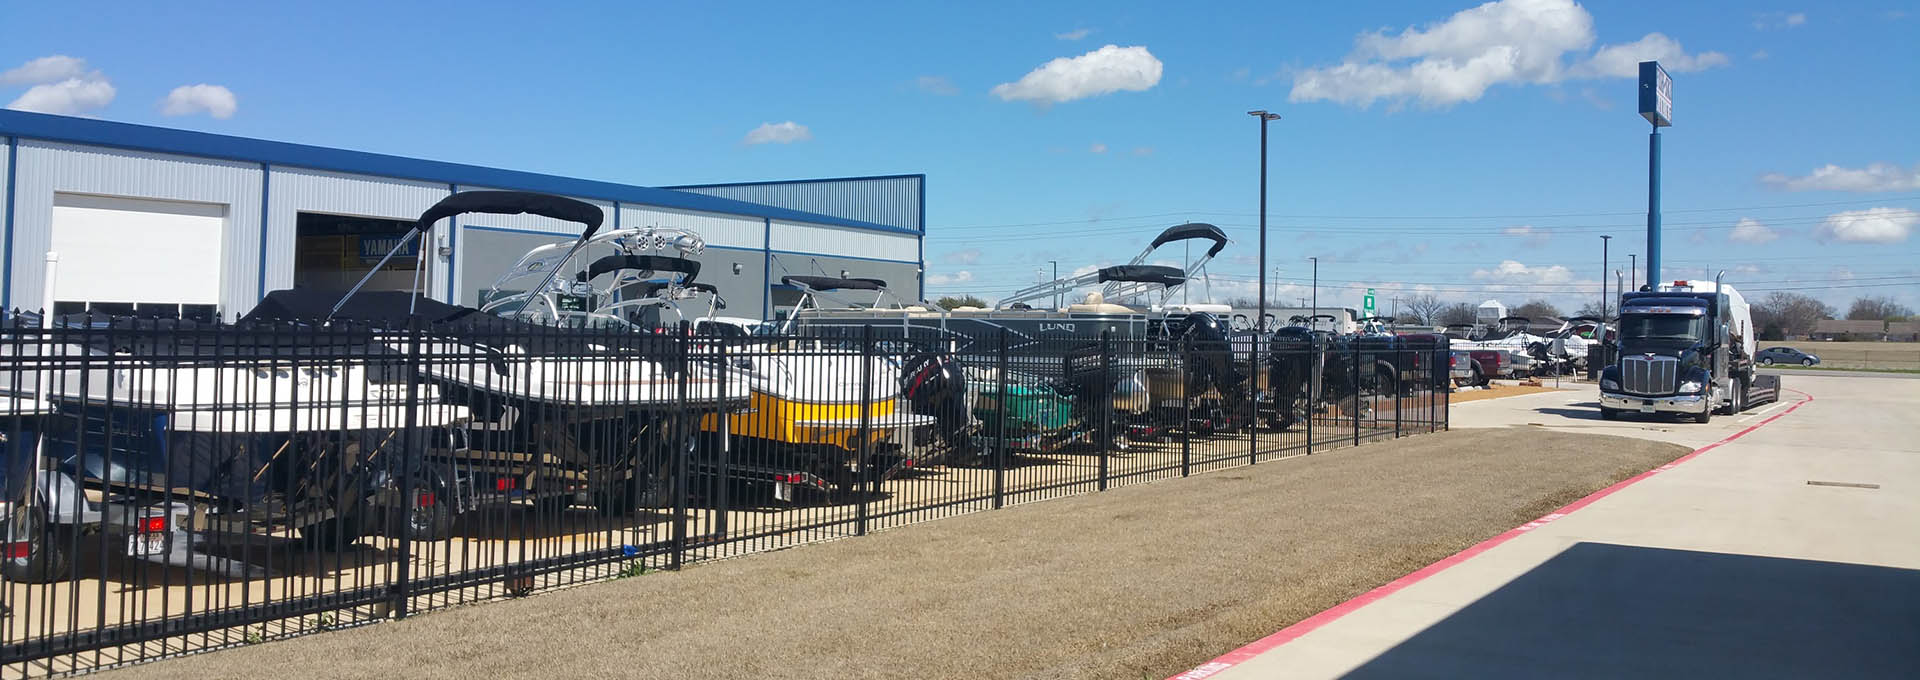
<point x="1044" y="327"/>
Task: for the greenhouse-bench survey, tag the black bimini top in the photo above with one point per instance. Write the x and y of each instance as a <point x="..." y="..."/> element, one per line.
<point x="513" y="203"/>
<point x="1144" y="273"/>
<point x="1193" y="230"/>
<point x="831" y="283"/>
<point x="653" y="263"/>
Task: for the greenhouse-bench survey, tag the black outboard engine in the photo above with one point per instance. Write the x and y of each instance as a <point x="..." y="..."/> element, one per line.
<point x="1212" y="364"/>
<point x="1292" y="368"/>
<point x="936" y="385"/>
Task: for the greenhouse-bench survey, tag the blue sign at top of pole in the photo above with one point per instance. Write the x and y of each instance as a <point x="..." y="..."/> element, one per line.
<point x="1656" y="94"/>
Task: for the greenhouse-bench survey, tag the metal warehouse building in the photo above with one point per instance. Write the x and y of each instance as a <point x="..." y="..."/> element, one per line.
<point x="162" y="221"/>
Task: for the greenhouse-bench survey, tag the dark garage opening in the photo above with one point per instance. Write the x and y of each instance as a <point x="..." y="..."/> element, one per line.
<point x="334" y="251"/>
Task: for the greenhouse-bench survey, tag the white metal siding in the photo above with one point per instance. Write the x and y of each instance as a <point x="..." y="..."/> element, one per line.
<point x="892" y="201"/>
<point x="718" y="230"/>
<point x="533" y="223"/>
<point x="47" y="167"/>
<point x="798" y="237"/>
<point x="292" y="191"/>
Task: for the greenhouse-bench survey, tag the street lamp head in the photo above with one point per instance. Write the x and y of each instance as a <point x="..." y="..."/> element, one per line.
<point x="1263" y="115"/>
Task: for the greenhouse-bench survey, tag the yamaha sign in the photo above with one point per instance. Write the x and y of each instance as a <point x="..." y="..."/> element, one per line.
<point x="1656" y="94"/>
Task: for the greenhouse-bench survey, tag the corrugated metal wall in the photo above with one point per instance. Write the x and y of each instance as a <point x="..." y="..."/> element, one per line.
<point x="729" y="231"/>
<point x="291" y="191"/>
<point x="47" y="168"/>
<point x="799" y="237"/>
<point x="892" y="201"/>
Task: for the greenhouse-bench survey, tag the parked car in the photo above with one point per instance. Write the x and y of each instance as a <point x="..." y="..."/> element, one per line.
<point x="1784" y="355"/>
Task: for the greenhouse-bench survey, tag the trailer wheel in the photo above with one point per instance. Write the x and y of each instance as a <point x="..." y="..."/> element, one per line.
<point x="47" y="559"/>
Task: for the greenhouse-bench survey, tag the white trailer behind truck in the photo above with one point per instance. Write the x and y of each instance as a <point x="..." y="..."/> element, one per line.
<point x="1685" y="347"/>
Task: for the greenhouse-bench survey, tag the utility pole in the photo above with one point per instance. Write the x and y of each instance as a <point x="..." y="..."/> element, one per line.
<point x="1633" y="270"/>
<point x="1316" y="290"/>
<point x="1264" y="119"/>
<point x="1605" y="243"/>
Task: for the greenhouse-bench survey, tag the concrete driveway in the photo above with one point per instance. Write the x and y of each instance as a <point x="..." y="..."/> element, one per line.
<point x="1789" y="551"/>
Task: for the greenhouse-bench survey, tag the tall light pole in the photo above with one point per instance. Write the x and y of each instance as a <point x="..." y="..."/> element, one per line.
<point x="1264" y="119"/>
<point x="1056" y="277"/>
<point x="1606" y="242"/>
<point x="1316" y="292"/>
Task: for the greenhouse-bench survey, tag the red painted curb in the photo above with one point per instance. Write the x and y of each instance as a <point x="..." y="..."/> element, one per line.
<point x="1309" y="624"/>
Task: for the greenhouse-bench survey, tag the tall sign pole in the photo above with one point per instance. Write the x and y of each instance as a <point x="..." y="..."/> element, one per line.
<point x="1656" y="105"/>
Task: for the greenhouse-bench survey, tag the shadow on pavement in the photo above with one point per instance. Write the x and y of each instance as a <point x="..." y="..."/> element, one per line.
<point x="1600" y="610"/>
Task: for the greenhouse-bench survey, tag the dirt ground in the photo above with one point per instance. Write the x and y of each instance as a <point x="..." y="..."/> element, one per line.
<point x="1497" y="390"/>
<point x="1141" y="581"/>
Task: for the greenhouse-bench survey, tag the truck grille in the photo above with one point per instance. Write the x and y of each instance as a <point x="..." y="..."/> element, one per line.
<point x="1649" y="375"/>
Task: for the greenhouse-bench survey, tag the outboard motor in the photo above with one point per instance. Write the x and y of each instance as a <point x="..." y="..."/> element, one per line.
<point x="1211" y="365"/>
<point x="936" y="385"/>
<point x="1293" y="372"/>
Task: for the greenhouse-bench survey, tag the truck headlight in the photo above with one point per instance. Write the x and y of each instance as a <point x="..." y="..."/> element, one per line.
<point x="1690" y="386"/>
<point x="1609" y="384"/>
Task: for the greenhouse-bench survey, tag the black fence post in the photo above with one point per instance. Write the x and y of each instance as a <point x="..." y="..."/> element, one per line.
<point x="1356" y="391"/>
<point x="1106" y="403"/>
<point x="1315" y="362"/>
<point x="1253" y="406"/>
<point x="1186" y="404"/>
<point x="1000" y="426"/>
<point x="682" y="471"/>
<point x="1400" y="359"/>
<point x="866" y="427"/>
<point x="403" y="584"/>
<point x="723" y="432"/>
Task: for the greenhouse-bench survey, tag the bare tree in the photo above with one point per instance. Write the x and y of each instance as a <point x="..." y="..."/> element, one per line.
<point x="1794" y="314"/>
<point x="1424" y="309"/>
<point x="1536" y="309"/>
<point x="1458" y="312"/>
<point x="1592" y="308"/>
<point x="1877" y="308"/>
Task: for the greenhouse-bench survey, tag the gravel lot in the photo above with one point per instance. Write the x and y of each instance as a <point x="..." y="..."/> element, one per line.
<point x="1141" y="581"/>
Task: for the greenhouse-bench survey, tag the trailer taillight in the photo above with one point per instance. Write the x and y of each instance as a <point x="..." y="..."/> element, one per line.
<point x="506" y="484"/>
<point x="153" y="525"/>
<point x="791" y="478"/>
<point x="19" y="551"/>
<point x="425" y="499"/>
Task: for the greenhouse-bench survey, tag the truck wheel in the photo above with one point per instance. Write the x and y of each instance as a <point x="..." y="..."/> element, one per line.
<point x="1706" y="415"/>
<point x="47" y="559"/>
<point x="1609" y="413"/>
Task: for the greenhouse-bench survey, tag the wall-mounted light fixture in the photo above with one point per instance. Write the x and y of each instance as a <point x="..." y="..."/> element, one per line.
<point x="843" y="273"/>
<point x="736" y="269"/>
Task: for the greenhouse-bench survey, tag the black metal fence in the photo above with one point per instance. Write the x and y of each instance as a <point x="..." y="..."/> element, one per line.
<point x="173" y="487"/>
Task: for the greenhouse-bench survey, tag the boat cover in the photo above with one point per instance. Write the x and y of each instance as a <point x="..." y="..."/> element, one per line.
<point x="513" y="203"/>
<point x="831" y="283"/>
<point x="1144" y="273"/>
<point x="657" y="263"/>
<point x="1193" y="230"/>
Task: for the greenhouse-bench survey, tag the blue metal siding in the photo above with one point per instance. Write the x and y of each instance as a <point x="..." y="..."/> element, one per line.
<point x="895" y="201"/>
<point x="255" y="151"/>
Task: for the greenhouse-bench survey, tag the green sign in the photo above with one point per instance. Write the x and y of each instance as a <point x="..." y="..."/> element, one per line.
<point x="1366" y="305"/>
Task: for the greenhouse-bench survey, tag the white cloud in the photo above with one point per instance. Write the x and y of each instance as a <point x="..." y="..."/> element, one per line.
<point x="1749" y="230"/>
<point x="962" y="257"/>
<point x="1103" y="71"/>
<point x="1097" y="148"/>
<point x="1758" y="55"/>
<point x="938" y="85"/>
<point x="49" y="69"/>
<point x="1074" y="34"/>
<point x="961" y="276"/>
<point x="778" y="133"/>
<point x="212" y="100"/>
<point x="1775" y="20"/>
<point x="1528" y="234"/>
<point x="1623" y="61"/>
<point x="1513" y="272"/>
<point x="1873" y="225"/>
<point x="1143" y="151"/>
<point x="1874" y="177"/>
<point x="1502" y="42"/>
<point x="67" y="97"/>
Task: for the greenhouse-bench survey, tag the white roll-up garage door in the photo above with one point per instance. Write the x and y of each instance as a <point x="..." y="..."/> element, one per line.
<point x="126" y="250"/>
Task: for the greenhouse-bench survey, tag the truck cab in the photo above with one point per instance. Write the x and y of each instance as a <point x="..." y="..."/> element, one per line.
<point x="1684" y="348"/>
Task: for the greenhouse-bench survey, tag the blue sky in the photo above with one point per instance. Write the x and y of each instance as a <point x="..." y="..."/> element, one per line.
<point x="1469" y="151"/>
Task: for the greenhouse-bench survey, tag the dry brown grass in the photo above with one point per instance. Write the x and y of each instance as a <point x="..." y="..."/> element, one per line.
<point x="1497" y="391"/>
<point x="1142" y="581"/>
